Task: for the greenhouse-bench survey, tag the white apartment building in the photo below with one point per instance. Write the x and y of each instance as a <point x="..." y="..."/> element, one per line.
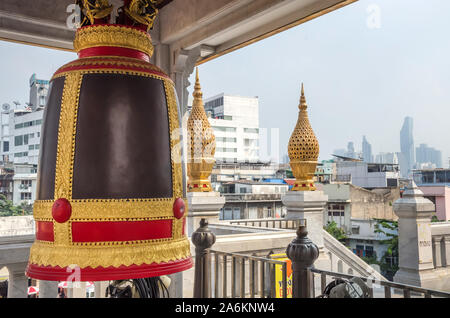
<point x="24" y="184"/>
<point x="369" y="175"/>
<point x="235" y="121"/>
<point x="21" y="126"/>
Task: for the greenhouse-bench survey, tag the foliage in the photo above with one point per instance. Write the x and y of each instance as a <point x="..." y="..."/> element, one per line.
<point x="382" y="226"/>
<point x="337" y="232"/>
<point x="434" y="219"/>
<point x="371" y="260"/>
<point x="7" y="208"/>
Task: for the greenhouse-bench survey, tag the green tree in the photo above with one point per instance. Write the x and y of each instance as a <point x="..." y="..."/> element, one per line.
<point x="337" y="232"/>
<point x="389" y="261"/>
<point x="7" y="208"/>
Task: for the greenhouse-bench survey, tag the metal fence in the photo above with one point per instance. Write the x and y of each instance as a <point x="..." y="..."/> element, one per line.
<point x="238" y="275"/>
<point x="269" y="223"/>
<point x="387" y="289"/>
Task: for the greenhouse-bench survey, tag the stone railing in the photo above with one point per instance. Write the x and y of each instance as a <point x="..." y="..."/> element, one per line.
<point x="440" y="234"/>
<point x="252" y="197"/>
<point x="17" y="225"/>
<point x="236" y="275"/>
<point x="341" y="259"/>
<point x="345" y="261"/>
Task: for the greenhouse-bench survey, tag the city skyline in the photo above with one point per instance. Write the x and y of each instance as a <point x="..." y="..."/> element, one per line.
<point x="358" y="80"/>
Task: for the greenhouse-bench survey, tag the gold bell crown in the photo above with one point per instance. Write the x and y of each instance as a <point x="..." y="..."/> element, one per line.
<point x="201" y="144"/>
<point x="303" y="150"/>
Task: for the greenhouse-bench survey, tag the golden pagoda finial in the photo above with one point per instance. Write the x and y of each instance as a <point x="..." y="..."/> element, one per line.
<point x="201" y="144"/>
<point x="303" y="105"/>
<point x="303" y="150"/>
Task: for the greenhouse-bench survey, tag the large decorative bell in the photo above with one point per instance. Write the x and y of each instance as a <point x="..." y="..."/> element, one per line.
<point x="110" y="181"/>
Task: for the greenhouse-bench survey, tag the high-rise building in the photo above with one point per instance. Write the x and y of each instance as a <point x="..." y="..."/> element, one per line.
<point x="428" y="155"/>
<point x="21" y="126"/>
<point x="407" y="147"/>
<point x="387" y="157"/>
<point x="367" y="150"/>
<point x="38" y="93"/>
<point x="235" y="121"/>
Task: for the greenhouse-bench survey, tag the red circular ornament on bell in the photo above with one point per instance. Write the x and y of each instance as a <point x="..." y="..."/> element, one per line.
<point x="61" y="210"/>
<point x="178" y="208"/>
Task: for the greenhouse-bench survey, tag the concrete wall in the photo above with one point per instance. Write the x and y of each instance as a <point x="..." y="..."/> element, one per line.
<point x="441" y="196"/>
<point x="370" y="205"/>
<point x="361" y="203"/>
<point x="17" y="225"/>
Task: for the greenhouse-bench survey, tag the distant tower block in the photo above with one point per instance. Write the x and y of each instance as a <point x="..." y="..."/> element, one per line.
<point x="303" y="150"/>
<point x="201" y="145"/>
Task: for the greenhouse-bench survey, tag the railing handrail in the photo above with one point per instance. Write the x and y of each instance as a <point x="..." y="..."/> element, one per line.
<point x="250" y="257"/>
<point x="385" y="283"/>
<point x="262" y="220"/>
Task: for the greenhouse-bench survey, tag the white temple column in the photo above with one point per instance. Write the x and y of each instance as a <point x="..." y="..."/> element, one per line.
<point x="203" y="205"/>
<point x="48" y="289"/>
<point x="307" y="205"/>
<point x="414" y="239"/>
<point x="18" y="282"/>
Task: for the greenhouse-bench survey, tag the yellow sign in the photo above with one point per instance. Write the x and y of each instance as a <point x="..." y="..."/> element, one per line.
<point x="279" y="275"/>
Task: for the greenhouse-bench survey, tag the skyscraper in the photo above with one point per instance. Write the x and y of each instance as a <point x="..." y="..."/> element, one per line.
<point x="425" y="154"/>
<point x="367" y="150"/>
<point x="407" y="147"/>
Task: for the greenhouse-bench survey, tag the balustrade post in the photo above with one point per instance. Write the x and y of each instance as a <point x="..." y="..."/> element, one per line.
<point x="203" y="239"/>
<point x="303" y="253"/>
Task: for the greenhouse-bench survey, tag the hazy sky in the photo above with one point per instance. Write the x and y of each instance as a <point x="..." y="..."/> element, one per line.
<point x="358" y="80"/>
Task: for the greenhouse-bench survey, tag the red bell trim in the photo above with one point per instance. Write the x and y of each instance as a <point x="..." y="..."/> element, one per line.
<point x="83" y="232"/>
<point x="110" y="273"/>
<point x="44" y="231"/>
<point x="110" y="67"/>
<point x="113" y="51"/>
<point x="178" y="208"/>
<point x="61" y="210"/>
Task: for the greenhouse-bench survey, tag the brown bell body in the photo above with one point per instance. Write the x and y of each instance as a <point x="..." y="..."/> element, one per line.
<point x="110" y="162"/>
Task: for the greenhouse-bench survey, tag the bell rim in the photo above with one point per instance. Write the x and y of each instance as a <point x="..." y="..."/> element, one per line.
<point x="56" y="273"/>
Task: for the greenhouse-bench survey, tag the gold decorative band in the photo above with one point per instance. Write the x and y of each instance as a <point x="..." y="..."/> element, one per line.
<point x="103" y="210"/>
<point x="94" y="256"/>
<point x="113" y="35"/>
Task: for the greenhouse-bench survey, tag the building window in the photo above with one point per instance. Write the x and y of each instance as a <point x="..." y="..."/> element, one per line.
<point x="26" y="183"/>
<point x="25" y="196"/>
<point x="225" y="129"/>
<point x="214" y="103"/>
<point x="18" y="141"/>
<point x="21" y="154"/>
<point x="226" y="139"/>
<point x="336" y="209"/>
<point x="5" y="146"/>
<point x="251" y="130"/>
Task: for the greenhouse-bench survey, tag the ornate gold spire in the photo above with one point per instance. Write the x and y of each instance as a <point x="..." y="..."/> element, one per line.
<point x="303" y="150"/>
<point x="201" y="144"/>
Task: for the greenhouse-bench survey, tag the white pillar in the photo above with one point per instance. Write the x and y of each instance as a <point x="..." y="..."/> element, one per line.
<point x="414" y="239"/>
<point x="77" y="291"/>
<point x="100" y="289"/>
<point x="307" y="205"/>
<point x="203" y="205"/>
<point x="18" y="282"/>
<point x="48" y="289"/>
